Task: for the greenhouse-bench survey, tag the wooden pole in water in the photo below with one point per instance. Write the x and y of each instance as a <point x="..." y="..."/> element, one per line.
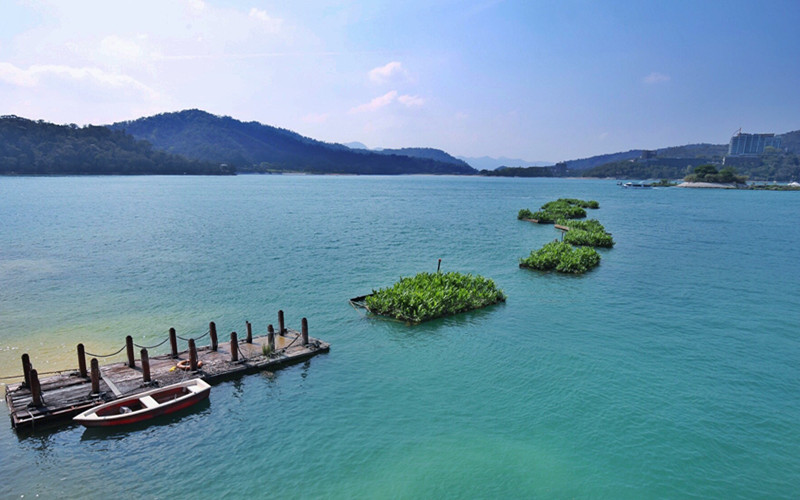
<point x="36" y="389"/>
<point x="173" y="342"/>
<point x="26" y="370"/>
<point x="439" y="266"/>
<point x="304" y="330"/>
<point x="212" y="332"/>
<point x="95" y="376"/>
<point x="249" y="332"/>
<point x="81" y="360"/>
<point x="192" y="356"/>
<point x="129" y="344"/>
<point x="271" y="339"/>
<point x="281" y="326"/>
<point x="234" y="347"/>
<point x="145" y="365"/>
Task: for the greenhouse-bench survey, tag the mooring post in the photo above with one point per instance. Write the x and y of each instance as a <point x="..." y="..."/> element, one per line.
<point x="95" y="376"/>
<point x="81" y="360"/>
<point x="145" y="365"/>
<point x="129" y="344"/>
<point x="271" y="339"/>
<point x="234" y="347"/>
<point x="281" y="326"/>
<point x="36" y="389"/>
<point x="212" y="332"/>
<point x="192" y="355"/>
<point x="249" y="332"/>
<point x="173" y="342"/>
<point x="26" y="370"/>
<point x="304" y="330"/>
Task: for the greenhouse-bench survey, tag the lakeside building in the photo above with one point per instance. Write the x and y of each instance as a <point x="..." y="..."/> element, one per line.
<point x="752" y="144"/>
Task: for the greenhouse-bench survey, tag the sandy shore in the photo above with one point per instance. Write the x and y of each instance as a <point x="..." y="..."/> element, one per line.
<point x="707" y="185"/>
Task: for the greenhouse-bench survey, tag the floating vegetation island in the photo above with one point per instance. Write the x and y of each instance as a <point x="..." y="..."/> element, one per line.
<point x="562" y="208"/>
<point x="560" y="255"/>
<point x="429" y="296"/>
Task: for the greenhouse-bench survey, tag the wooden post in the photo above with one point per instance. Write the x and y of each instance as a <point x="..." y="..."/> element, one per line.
<point x="271" y="339"/>
<point x="129" y="344"/>
<point x="145" y="365"/>
<point x="173" y="342"/>
<point x="81" y="360"/>
<point x="234" y="347"/>
<point x="270" y="329"/>
<point x="304" y="330"/>
<point x="36" y="389"/>
<point x="212" y="332"/>
<point x="192" y="355"/>
<point x="26" y="370"/>
<point x="281" y="326"/>
<point x="249" y="332"/>
<point x="95" y="376"/>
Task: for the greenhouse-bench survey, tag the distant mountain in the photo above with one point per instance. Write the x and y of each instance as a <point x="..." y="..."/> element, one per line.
<point x="254" y="147"/>
<point x="355" y="145"/>
<point x="30" y="147"/>
<point x="489" y="163"/>
<point x="429" y="153"/>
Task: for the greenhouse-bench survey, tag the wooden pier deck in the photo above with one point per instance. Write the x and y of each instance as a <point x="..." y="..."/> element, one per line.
<point x="66" y="394"/>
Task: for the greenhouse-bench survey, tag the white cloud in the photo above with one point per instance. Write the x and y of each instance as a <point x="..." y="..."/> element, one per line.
<point x="273" y="24"/>
<point x="388" y="72"/>
<point x="35" y="75"/>
<point x="655" y="77"/>
<point x="377" y="103"/>
<point x="411" y="101"/>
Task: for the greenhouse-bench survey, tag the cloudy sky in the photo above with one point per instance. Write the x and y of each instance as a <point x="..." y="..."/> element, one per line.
<point x="530" y="79"/>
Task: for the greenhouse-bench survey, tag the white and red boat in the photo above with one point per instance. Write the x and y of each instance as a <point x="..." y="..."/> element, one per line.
<point x="146" y="405"/>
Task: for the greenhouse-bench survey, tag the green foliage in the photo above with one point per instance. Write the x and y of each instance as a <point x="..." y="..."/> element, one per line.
<point x="525" y="214"/>
<point x="563" y="208"/>
<point x="562" y="257"/>
<point x="266" y="349"/>
<point x="30" y="147"/>
<point x="433" y="295"/>
<point x="586" y="233"/>
<point x="709" y="173"/>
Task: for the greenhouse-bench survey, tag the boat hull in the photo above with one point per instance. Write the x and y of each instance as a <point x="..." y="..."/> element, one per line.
<point x="146" y="406"/>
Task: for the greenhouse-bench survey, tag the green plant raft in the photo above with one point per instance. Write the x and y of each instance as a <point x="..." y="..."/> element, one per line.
<point x="434" y="295"/>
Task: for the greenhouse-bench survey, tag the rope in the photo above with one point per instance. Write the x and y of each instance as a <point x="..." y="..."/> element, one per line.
<point x="105" y="355"/>
<point x="198" y="338"/>
<point x="290" y="344"/>
<point x="151" y="346"/>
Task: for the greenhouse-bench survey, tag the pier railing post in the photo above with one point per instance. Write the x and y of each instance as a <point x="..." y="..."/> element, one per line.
<point x="234" y="347"/>
<point x="304" y="329"/>
<point x="192" y="355"/>
<point x="81" y="360"/>
<point x="36" y="389"/>
<point x="145" y="365"/>
<point x="212" y="332"/>
<point x="26" y="369"/>
<point x="173" y="342"/>
<point x="95" y="376"/>
<point x="249" y="332"/>
<point x="129" y="345"/>
<point x="281" y="325"/>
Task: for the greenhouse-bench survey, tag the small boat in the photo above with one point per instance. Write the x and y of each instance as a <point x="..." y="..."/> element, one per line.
<point x="636" y="185"/>
<point x="146" y="405"/>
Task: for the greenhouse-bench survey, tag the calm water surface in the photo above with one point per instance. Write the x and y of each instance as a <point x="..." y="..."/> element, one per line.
<point x="671" y="371"/>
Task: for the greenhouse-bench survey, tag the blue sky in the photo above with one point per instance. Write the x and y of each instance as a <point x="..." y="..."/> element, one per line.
<point x="527" y="79"/>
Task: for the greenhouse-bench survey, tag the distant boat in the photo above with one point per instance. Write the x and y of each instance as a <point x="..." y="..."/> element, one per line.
<point x="636" y="185"/>
<point x="146" y="405"/>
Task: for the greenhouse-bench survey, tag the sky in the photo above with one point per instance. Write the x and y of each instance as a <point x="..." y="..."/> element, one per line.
<point x="538" y="80"/>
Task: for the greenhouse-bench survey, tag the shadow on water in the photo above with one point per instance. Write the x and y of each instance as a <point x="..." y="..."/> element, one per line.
<point x="102" y="433"/>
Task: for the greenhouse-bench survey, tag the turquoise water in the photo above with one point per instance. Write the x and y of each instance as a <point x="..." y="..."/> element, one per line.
<point x="671" y="371"/>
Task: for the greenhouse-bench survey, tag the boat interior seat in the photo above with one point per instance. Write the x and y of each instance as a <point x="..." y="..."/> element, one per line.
<point x="149" y="402"/>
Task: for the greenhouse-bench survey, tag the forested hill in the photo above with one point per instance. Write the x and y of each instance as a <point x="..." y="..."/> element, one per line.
<point x="30" y="147"/>
<point x="430" y="153"/>
<point x="254" y="147"/>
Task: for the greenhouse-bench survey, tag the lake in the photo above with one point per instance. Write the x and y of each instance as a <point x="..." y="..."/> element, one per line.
<point x="670" y="371"/>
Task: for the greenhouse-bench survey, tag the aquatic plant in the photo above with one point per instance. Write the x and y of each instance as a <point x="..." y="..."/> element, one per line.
<point x="434" y="295"/>
<point x="586" y="233"/>
<point x="525" y="214"/>
<point x="562" y="257"/>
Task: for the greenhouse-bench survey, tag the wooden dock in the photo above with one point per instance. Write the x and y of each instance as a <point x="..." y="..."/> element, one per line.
<point x="57" y="398"/>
